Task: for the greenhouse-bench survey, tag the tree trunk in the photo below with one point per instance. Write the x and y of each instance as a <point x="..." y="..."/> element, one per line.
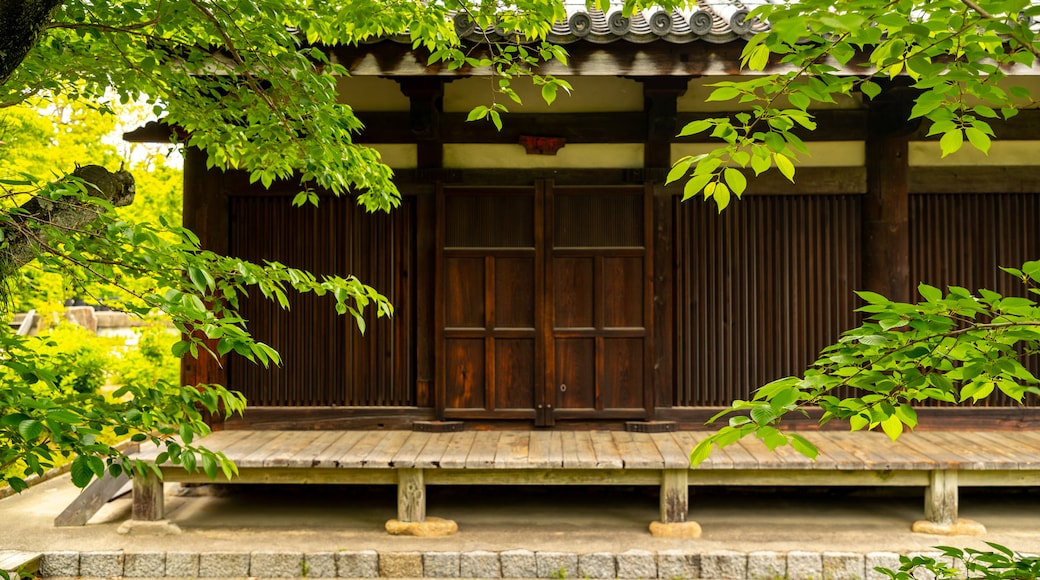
<point x="21" y="23"/>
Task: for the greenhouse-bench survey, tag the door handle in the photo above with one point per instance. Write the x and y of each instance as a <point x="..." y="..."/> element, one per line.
<point x="563" y="387"/>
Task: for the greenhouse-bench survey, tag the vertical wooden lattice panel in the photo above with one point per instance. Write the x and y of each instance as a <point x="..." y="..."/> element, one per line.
<point x="963" y="240"/>
<point x="326" y="360"/>
<point x="761" y="288"/>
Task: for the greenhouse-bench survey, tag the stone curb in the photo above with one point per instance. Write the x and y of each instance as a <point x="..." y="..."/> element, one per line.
<point x="664" y="564"/>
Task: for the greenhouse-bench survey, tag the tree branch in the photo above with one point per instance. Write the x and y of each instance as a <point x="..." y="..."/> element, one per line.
<point x="68" y="213"/>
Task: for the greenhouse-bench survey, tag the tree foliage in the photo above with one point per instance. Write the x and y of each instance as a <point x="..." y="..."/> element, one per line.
<point x="956" y="57"/>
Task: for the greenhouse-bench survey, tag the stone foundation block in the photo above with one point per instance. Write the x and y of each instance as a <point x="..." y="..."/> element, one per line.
<point x="276" y="564"/>
<point x="873" y="560"/>
<point x="223" y="565"/>
<point x="363" y="564"/>
<point x="556" y="565"/>
<point x="766" y="565"/>
<point x="101" y="564"/>
<point x="804" y="565"/>
<point x="636" y="564"/>
<point x="597" y="565"/>
<point x="479" y="564"/>
<point x="518" y="564"/>
<point x="144" y="565"/>
<point x="724" y="565"/>
<point x="401" y="565"/>
<point x="431" y="528"/>
<point x="182" y="565"/>
<point x="59" y="564"/>
<point x="319" y="565"/>
<point x="681" y="530"/>
<point x="843" y="566"/>
<point x="441" y="564"/>
<point x="960" y="527"/>
<point x="673" y="564"/>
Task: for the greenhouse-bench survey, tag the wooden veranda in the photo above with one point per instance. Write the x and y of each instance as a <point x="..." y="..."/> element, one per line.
<point x="938" y="462"/>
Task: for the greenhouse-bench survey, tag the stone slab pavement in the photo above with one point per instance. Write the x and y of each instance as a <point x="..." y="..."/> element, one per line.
<point x="504" y="532"/>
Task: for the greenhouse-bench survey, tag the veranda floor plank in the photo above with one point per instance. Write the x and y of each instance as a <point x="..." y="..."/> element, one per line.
<point x="308" y="456"/>
<point x="409" y="452"/>
<point x="458" y="449"/>
<point x="482" y="454"/>
<point x="383" y="453"/>
<point x="290" y="446"/>
<point x="578" y="452"/>
<point x="607" y="455"/>
<point x="329" y="456"/>
<point x="431" y="453"/>
<point x="355" y="457"/>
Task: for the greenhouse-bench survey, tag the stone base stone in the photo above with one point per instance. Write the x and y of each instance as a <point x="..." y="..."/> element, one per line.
<point x="682" y="530"/>
<point x="431" y="528"/>
<point x="156" y="528"/>
<point x="961" y="527"/>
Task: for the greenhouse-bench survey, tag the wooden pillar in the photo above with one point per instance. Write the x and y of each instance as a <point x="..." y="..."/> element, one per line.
<point x="148" y="497"/>
<point x="206" y="213"/>
<point x="675" y="495"/>
<point x="425" y="95"/>
<point x="411" y="496"/>
<point x="886" y="206"/>
<point x="660" y="96"/>
<point x="941" y="497"/>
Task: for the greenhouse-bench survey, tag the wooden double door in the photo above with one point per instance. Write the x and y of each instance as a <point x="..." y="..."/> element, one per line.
<point x="544" y="304"/>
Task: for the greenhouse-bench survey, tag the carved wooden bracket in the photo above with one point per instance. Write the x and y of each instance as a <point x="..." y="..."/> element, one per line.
<point x="542" y="145"/>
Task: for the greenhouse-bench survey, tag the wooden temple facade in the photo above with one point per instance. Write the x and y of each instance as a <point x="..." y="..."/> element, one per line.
<point x="572" y="288"/>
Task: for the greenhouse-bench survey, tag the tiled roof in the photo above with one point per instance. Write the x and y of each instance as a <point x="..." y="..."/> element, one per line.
<point x="716" y="21"/>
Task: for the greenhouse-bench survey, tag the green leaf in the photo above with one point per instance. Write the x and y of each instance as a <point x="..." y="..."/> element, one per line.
<point x="803" y="446"/>
<point x="549" y="93"/>
<point x="736" y="180"/>
<point x="759" y="57"/>
<point x="694" y="127"/>
<point x="951" y="142"/>
<point x="30" y="429"/>
<point x="696" y="184"/>
<point x="701" y="451"/>
<point x="870" y="88"/>
<point x="784" y="165"/>
<point x="723" y="94"/>
<point x="80" y="471"/>
<point x="978" y="139"/>
<point x="679" y="169"/>
<point x="892" y="427"/>
<point x="930" y="293"/>
<point x="721" y="195"/>
<point x="478" y="112"/>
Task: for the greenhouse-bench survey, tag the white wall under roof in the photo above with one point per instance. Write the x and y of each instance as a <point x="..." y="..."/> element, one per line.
<point x="591" y="94"/>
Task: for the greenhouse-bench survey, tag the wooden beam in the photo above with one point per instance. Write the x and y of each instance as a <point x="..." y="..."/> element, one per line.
<point x="92" y="499"/>
<point x="940" y="499"/>
<point x="974" y="179"/>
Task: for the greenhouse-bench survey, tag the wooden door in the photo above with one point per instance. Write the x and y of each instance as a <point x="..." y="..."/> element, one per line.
<point x="543" y="304"/>
<point x="598" y="304"/>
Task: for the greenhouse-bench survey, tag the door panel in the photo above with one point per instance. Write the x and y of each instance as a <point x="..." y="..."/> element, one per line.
<point x="465" y="372"/>
<point x="545" y="304"/>
<point x="514" y="293"/>
<point x="623" y="288"/>
<point x="514" y="373"/>
<point x="464" y="301"/>
<point x="576" y="373"/>
<point x="573" y="292"/>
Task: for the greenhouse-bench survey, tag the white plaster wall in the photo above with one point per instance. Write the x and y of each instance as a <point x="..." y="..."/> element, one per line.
<point x="398" y="155"/>
<point x="591" y="94"/>
<point x="578" y="155"/>
<point x="822" y="153"/>
<point x="372" y="94"/>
